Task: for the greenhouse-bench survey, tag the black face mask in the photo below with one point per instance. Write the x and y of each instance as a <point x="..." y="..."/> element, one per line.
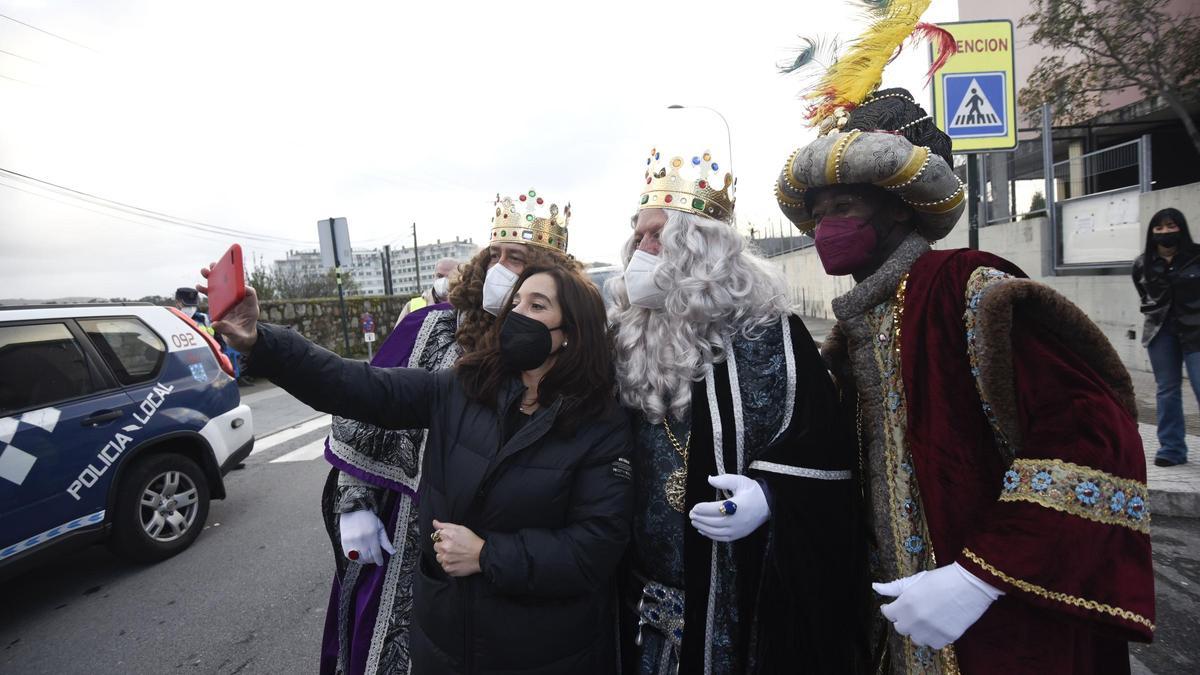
<point x="524" y="342"/>
<point x="1166" y="239"/>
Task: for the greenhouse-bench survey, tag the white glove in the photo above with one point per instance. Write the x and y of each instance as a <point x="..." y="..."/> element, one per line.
<point x="363" y="532"/>
<point x="936" y="607"/>
<point x="748" y="512"/>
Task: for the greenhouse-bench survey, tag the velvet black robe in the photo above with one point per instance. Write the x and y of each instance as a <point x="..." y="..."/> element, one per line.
<point x="801" y="577"/>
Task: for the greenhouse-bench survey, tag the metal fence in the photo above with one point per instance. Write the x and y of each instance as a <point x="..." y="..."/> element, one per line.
<point x="1014" y="183"/>
<point x="777" y="237"/>
<point x="1113" y="168"/>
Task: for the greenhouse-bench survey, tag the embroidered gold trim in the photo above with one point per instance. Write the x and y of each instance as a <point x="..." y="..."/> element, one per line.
<point x="1062" y="486"/>
<point x="905" y="520"/>
<point x="1079" y="491"/>
<point x="785" y="199"/>
<point x="980" y="280"/>
<point x="944" y="205"/>
<point x="789" y="173"/>
<point x="917" y="160"/>
<point x="1064" y="598"/>
<point x="898" y="313"/>
<point x="833" y="165"/>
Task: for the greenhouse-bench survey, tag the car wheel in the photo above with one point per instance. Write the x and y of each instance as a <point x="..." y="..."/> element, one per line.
<point x="161" y="507"/>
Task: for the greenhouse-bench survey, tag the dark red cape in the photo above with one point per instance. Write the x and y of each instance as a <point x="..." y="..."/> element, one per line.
<point x="1076" y="589"/>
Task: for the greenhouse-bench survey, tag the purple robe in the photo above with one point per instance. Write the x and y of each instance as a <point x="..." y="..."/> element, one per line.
<point x="366" y="625"/>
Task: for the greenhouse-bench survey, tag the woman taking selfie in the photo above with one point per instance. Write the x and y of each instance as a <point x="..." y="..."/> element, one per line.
<point x="525" y="495"/>
<point x="1167" y="277"/>
<point x="369" y="502"/>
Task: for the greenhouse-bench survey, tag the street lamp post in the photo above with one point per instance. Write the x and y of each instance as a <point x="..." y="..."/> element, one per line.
<point x="728" y="133"/>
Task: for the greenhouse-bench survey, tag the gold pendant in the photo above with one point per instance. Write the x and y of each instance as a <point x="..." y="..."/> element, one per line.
<point x="676" y="488"/>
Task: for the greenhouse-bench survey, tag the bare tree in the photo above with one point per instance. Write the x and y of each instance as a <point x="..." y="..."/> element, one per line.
<point x="262" y="281"/>
<point x="298" y="285"/>
<point x="160" y="300"/>
<point x="1107" y="46"/>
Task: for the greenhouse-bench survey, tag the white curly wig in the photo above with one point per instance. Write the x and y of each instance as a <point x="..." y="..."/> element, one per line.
<point x="715" y="288"/>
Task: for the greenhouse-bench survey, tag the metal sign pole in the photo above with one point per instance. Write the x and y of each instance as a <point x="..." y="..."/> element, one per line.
<point x="416" y="263"/>
<point x="1048" y="175"/>
<point x="385" y="260"/>
<point x="973" y="194"/>
<point x="368" y="328"/>
<point x="337" y="267"/>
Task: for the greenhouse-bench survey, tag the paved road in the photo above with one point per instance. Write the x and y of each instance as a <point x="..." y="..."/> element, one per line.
<point x="248" y="597"/>
<point x="1176" y="646"/>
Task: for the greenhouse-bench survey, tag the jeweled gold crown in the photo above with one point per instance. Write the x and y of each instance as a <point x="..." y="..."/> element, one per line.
<point x="530" y="220"/>
<point x="693" y="184"/>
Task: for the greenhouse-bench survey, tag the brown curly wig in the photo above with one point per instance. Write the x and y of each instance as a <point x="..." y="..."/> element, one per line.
<point x="474" y="322"/>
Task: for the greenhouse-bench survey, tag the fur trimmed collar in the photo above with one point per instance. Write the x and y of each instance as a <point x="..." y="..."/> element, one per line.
<point x="882" y="284"/>
<point x="1056" y="315"/>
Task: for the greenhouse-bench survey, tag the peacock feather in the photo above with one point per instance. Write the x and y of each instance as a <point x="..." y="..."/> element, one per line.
<point x="815" y="51"/>
<point x="878" y="7"/>
<point x="859" y="71"/>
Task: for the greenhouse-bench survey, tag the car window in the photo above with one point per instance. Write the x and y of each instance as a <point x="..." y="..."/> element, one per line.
<point x="131" y="349"/>
<point x="40" y="364"/>
<point x="600" y="278"/>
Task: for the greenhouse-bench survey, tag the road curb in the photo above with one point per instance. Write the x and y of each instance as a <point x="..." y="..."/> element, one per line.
<point x="1174" y="504"/>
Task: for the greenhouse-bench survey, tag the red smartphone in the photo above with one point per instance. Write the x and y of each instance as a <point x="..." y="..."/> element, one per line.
<point x="226" y="283"/>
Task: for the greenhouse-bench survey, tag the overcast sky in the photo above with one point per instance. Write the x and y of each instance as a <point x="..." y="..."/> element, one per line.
<point x="265" y="117"/>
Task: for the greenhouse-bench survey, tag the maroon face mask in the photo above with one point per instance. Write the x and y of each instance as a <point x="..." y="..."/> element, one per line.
<point x="844" y="244"/>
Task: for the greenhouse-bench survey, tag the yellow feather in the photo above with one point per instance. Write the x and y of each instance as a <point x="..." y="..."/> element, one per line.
<point x="860" y="71"/>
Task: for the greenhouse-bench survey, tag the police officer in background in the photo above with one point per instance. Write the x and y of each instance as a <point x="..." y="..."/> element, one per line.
<point x="187" y="300"/>
<point x="444" y="272"/>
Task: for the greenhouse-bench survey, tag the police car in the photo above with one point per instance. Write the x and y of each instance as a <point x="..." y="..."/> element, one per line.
<point x="600" y="276"/>
<point x="117" y="422"/>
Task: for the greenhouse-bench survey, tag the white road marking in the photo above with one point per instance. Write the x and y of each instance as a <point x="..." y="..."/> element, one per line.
<point x="272" y="440"/>
<point x="309" y="452"/>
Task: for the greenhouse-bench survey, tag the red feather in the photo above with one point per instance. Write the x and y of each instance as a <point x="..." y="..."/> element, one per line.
<point x="944" y="45"/>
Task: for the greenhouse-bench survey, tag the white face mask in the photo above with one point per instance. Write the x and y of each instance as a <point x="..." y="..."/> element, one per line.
<point x="639" y="281"/>
<point x="497" y="286"/>
<point x="189" y="310"/>
<point x="441" y="288"/>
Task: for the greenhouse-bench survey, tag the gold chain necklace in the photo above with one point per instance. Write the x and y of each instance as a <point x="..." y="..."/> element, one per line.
<point x="675" y="486"/>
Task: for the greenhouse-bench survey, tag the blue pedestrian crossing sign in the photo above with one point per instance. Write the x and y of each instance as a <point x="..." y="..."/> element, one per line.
<point x="978" y="105"/>
<point x="974" y="92"/>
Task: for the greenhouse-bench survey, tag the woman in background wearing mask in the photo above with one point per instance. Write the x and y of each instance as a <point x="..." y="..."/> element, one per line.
<point x="1167" y="277"/>
<point x="526" y="492"/>
<point x="369" y="502"/>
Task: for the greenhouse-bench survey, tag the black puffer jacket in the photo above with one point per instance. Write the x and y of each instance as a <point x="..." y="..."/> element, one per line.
<point x="554" y="512"/>
<point x="1171" y="290"/>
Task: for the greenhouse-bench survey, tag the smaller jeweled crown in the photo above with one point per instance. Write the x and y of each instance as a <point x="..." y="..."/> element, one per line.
<point x="693" y="184"/>
<point x="530" y="220"/>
